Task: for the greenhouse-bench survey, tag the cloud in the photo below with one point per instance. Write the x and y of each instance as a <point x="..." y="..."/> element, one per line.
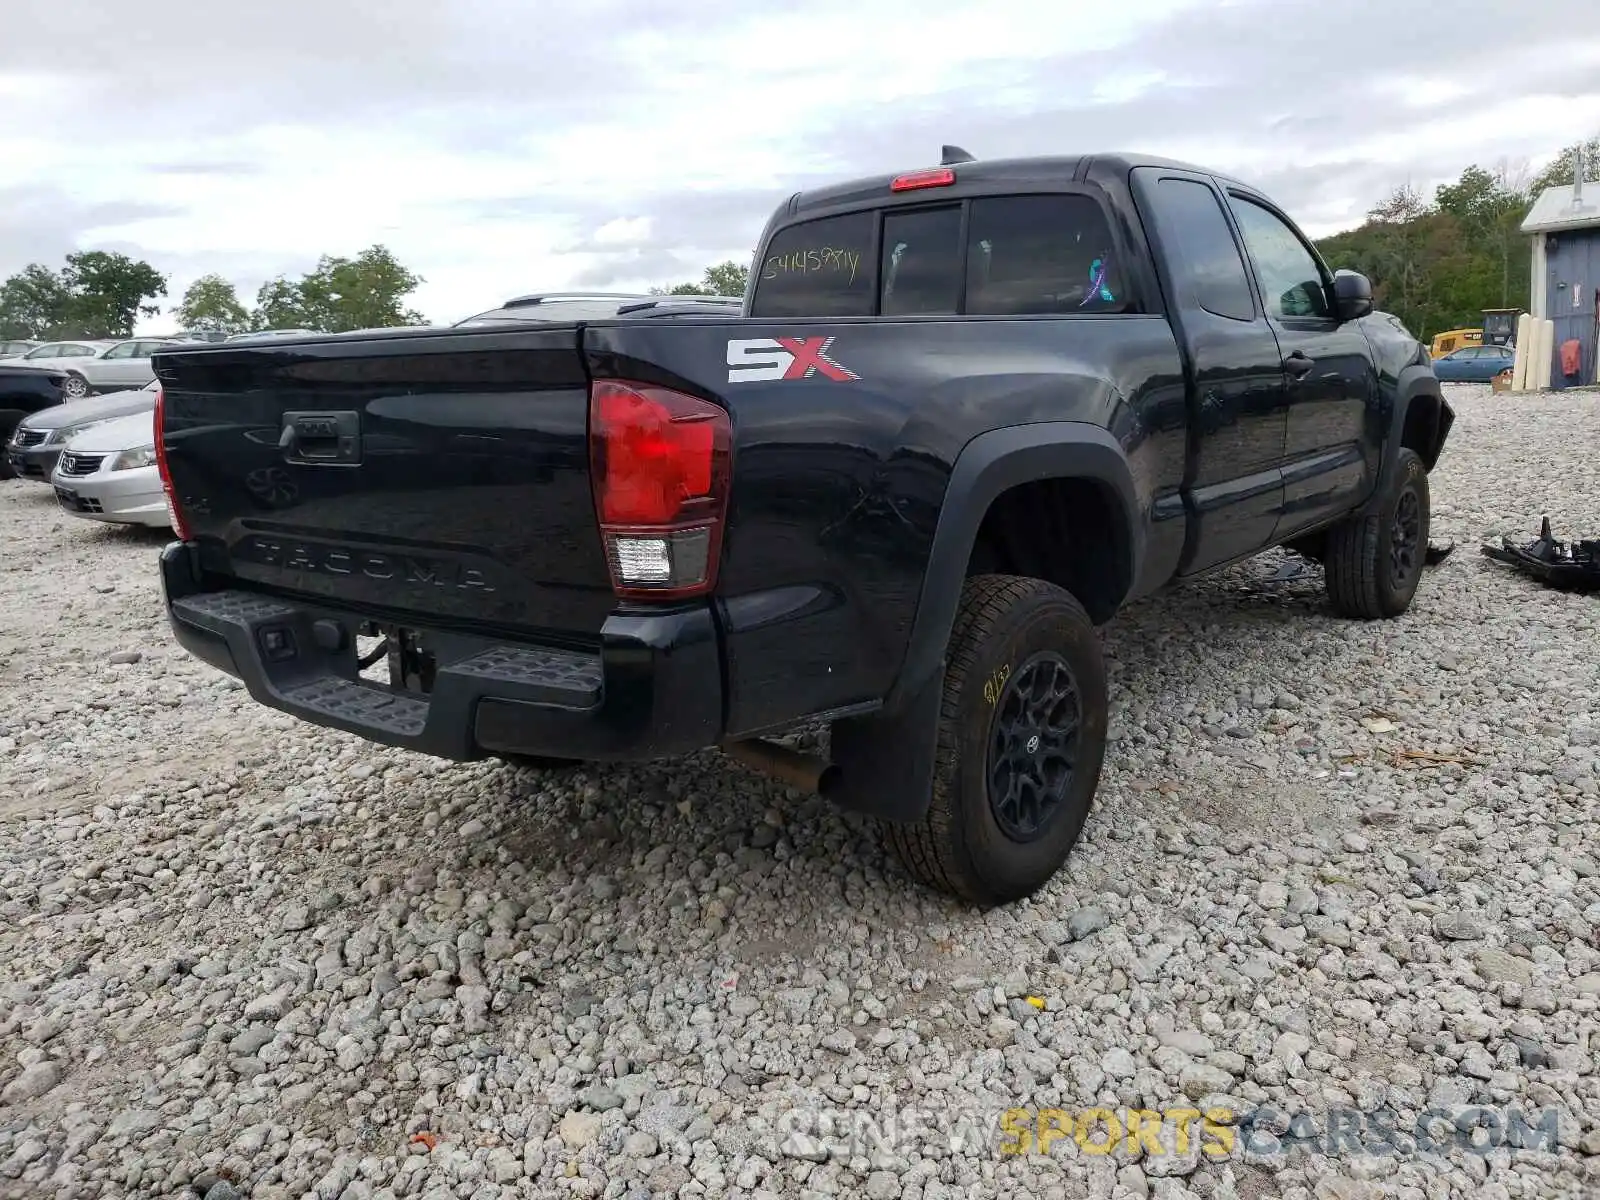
<point x="500" y="147"/>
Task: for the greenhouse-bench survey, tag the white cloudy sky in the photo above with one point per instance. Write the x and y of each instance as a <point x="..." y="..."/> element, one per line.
<point x="500" y="146"/>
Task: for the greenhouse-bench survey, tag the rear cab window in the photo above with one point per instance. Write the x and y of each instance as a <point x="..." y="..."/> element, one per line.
<point x="820" y="268"/>
<point x="1002" y="255"/>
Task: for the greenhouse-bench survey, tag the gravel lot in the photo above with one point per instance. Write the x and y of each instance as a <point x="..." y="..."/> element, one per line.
<point x="244" y="956"/>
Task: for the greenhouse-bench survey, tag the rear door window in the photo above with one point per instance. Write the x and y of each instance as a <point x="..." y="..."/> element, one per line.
<point x="1201" y="253"/>
<point x="1041" y="254"/>
<point x="819" y="268"/>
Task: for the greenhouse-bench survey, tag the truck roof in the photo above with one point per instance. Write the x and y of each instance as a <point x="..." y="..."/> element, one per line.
<point x="1035" y="171"/>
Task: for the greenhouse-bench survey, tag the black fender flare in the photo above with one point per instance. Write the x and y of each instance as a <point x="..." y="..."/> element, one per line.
<point x="1416" y="380"/>
<point x="990" y="464"/>
<point x="886" y="757"/>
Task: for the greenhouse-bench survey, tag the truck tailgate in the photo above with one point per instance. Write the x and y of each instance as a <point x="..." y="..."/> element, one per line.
<point x="443" y="475"/>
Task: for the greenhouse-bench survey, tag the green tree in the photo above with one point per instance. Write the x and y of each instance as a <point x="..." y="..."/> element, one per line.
<point x="365" y="292"/>
<point x="33" y="304"/>
<point x="1438" y="265"/>
<point x="108" y="292"/>
<point x="727" y="278"/>
<point x="1560" y="172"/>
<point x="280" y="305"/>
<point x="211" y="303"/>
<point x="723" y="279"/>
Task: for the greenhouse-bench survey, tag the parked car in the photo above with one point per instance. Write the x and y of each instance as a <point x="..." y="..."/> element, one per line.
<point x="36" y="442"/>
<point x="895" y="493"/>
<point x="111" y="366"/>
<point x="24" y="390"/>
<point x="196" y="335"/>
<point x="14" y="349"/>
<point x="595" y="306"/>
<point x="49" y="354"/>
<point x="1477" y="364"/>
<point x="107" y="472"/>
<point x="257" y="334"/>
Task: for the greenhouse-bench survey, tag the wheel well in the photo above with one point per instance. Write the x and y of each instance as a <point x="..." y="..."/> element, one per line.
<point x="1066" y="531"/>
<point x="1421" y="432"/>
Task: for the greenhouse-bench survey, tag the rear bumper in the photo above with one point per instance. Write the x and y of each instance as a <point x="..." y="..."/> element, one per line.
<point x="653" y="690"/>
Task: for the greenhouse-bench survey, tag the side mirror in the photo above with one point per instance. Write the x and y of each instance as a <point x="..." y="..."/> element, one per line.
<point x="1352" y="295"/>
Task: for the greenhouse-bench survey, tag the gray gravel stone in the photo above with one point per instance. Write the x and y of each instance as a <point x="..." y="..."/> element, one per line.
<point x="33" y="1082"/>
<point x="1086" y="921"/>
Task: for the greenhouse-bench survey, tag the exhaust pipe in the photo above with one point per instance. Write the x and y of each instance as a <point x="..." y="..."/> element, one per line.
<point x="808" y="772"/>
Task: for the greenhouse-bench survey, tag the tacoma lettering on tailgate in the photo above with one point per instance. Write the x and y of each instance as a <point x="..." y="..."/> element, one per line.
<point x="339" y="560"/>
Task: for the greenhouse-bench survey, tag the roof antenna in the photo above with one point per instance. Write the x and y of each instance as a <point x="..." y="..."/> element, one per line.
<point x="950" y="155"/>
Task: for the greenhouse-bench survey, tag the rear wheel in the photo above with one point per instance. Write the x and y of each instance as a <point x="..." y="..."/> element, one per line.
<point x="1021" y="740"/>
<point x="1374" y="562"/>
<point x="74" y="386"/>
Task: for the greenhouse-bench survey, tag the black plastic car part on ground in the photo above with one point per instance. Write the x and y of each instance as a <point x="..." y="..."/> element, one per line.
<point x="1570" y="566"/>
<point x="965" y="415"/>
<point x="23" y="390"/>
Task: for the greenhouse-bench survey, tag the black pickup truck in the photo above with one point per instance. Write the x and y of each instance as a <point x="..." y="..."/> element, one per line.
<point x="965" y="415"/>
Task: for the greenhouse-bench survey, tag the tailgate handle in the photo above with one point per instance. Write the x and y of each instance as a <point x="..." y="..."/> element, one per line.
<point x="321" y="438"/>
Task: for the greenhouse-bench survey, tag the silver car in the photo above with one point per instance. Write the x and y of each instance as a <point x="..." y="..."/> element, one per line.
<point x="36" y="442"/>
<point x="108" y="366"/>
<point x="15" y="349"/>
<point x="108" y="473"/>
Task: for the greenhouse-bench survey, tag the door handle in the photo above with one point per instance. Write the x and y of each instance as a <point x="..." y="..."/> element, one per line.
<point x="1298" y="365"/>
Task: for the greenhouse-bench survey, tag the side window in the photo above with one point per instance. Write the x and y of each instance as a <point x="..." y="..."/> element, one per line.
<point x="126" y="350"/>
<point x="1200" y="248"/>
<point x="818" y="268"/>
<point x="921" y="262"/>
<point x="1291" y="282"/>
<point x="78" y="352"/>
<point x="1041" y="254"/>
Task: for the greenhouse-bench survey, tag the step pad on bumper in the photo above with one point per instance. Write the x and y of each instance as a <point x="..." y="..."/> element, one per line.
<point x="550" y="668"/>
<point x="348" y="701"/>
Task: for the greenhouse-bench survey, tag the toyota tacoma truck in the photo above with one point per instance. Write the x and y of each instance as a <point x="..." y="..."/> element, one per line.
<point x="964" y="415"/>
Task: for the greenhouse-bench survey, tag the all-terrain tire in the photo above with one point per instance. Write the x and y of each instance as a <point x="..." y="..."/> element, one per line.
<point x="1374" y="561"/>
<point x="1006" y="630"/>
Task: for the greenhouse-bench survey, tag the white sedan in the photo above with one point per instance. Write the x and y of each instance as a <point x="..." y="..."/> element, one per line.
<point x="98" y="366"/>
<point x="108" y="473"/>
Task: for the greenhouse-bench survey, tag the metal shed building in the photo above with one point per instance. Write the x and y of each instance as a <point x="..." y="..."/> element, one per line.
<point x="1565" y="280"/>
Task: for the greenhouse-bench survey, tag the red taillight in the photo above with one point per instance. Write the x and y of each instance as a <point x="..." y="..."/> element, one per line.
<point x="179" y="526"/>
<point x="659" y="460"/>
<point x="936" y="177"/>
